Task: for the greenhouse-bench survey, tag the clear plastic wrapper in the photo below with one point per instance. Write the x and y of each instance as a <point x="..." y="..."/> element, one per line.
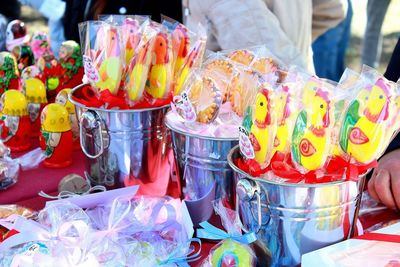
<point x="312" y="133"/>
<point x="364" y="130"/>
<point x="139" y="66"/>
<point x="193" y="60"/>
<point x="103" y="54"/>
<point x="234" y="249"/>
<point x="159" y="81"/>
<point x="201" y="100"/>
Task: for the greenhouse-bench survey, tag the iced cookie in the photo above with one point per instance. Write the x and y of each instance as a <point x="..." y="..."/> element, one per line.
<point x="242" y="56"/>
<point x="221" y="71"/>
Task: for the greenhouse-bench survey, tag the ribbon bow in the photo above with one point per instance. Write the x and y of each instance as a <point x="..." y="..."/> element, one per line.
<point x="182" y="261"/>
<point x="211" y="232"/>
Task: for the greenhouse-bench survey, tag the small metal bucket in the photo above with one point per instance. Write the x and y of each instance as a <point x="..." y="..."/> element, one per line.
<point x="203" y="171"/>
<point x="126" y="147"/>
<point x="293" y="219"/>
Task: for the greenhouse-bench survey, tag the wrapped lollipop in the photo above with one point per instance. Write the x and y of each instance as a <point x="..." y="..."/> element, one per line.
<point x="180" y="46"/>
<point x="311" y="138"/>
<point x="193" y="60"/>
<point x="260" y="125"/>
<point x="159" y="81"/>
<point x="365" y="122"/>
<point x="139" y="66"/>
<point x="103" y="55"/>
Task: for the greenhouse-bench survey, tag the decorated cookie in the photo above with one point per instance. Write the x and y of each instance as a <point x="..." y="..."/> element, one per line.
<point x="264" y="65"/>
<point x="242" y="56"/>
<point x="242" y="90"/>
<point x="221" y="71"/>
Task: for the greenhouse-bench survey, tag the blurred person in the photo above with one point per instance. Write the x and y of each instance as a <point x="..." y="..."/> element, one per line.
<point x="372" y="45"/>
<point x="54" y="11"/>
<point x="329" y="50"/>
<point x="384" y="185"/>
<point x="3" y="30"/>
<point x="286" y="27"/>
<point x="82" y="10"/>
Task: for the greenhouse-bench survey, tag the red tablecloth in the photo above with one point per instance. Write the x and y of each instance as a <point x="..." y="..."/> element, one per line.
<point x="31" y="182"/>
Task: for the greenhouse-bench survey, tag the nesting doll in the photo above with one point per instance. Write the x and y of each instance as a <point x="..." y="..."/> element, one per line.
<point x="70" y="59"/>
<point x="9" y="74"/>
<point x="56" y="136"/>
<point x="35" y="92"/>
<point x="15" y="125"/>
<point x="62" y="99"/>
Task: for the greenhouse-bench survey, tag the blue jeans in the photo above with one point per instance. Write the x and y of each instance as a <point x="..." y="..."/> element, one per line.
<point x="329" y="50"/>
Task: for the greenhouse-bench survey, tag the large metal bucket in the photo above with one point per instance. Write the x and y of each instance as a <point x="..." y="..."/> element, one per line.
<point x="126" y="147"/>
<point x="203" y="171"/>
<point x="293" y="219"/>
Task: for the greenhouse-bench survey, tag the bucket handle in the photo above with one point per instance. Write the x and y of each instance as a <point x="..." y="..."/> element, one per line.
<point x="89" y="120"/>
<point x="248" y="190"/>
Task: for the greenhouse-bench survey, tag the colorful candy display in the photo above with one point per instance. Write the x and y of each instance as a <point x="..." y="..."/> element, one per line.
<point x="141" y="69"/>
<point x="323" y="133"/>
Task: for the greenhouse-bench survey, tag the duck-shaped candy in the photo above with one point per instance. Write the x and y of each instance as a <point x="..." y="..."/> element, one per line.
<point x="285" y="125"/>
<point x="312" y="132"/>
<point x="261" y="134"/>
<point x="364" y="127"/>
<point x="160" y="71"/>
<point x="180" y="44"/>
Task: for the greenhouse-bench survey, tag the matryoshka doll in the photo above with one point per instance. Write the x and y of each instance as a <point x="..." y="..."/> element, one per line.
<point x="16" y="34"/>
<point x="71" y="64"/>
<point x="56" y="137"/>
<point x="9" y="74"/>
<point x="47" y="63"/>
<point x="24" y="56"/>
<point x="35" y="93"/>
<point x="14" y="121"/>
<point x="62" y="99"/>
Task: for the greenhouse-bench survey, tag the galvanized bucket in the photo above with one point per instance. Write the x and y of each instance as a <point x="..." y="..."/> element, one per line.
<point x="293" y="219"/>
<point x="203" y="171"/>
<point x="126" y="147"/>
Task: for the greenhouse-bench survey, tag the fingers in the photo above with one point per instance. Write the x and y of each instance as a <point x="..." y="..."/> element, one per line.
<point x="382" y="186"/>
<point x="371" y="187"/>
<point x="395" y="185"/>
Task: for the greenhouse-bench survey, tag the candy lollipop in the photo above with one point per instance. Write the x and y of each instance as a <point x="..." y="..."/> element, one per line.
<point x="131" y="31"/>
<point x="158" y="84"/>
<point x="108" y="42"/>
<point x="364" y="126"/>
<point x="231" y="253"/>
<point x="139" y="67"/>
<point x="262" y="131"/>
<point x="180" y="46"/>
<point x="285" y="120"/>
<point x="312" y="131"/>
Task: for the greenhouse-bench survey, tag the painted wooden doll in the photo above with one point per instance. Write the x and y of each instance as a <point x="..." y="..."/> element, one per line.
<point x="15" y="125"/>
<point x="56" y="137"/>
<point x="62" y="99"/>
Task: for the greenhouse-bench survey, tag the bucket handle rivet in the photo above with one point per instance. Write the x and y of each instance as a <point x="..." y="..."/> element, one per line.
<point x="90" y="121"/>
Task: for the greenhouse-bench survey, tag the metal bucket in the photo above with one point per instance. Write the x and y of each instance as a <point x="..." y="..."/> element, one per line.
<point x="293" y="219"/>
<point x="203" y="171"/>
<point x="126" y="147"/>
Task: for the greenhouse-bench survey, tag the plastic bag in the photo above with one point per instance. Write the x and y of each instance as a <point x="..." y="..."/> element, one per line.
<point x="103" y="54"/>
<point x="235" y="249"/>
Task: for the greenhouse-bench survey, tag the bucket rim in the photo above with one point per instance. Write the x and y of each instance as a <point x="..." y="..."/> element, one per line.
<point x="260" y="180"/>
<point x="174" y="129"/>
<point x="80" y="105"/>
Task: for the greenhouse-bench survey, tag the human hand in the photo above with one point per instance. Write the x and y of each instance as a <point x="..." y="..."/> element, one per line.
<point x="384" y="185"/>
